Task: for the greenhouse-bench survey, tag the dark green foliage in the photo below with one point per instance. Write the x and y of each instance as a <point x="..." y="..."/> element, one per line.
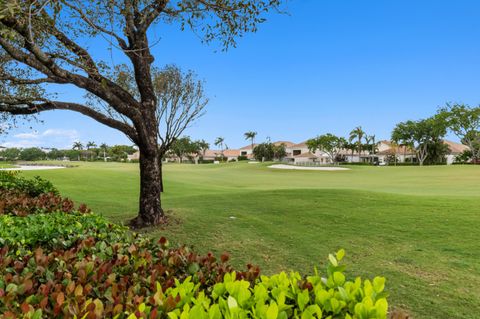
<point x="32" y="154"/>
<point x="465" y="157"/>
<point x="32" y="187"/>
<point x="242" y="158"/>
<point x="437" y="152"/>
<point x="10" y="154"/>
<point x="268" y="151"/>
<point x="186" y="147"/>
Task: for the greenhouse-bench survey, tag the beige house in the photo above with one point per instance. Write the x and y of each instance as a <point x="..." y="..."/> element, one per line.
<point x="215" y="154"/>
<point x="133" y="157"/>
<point x="455" y="150"/>
<point x="301" y="154"/>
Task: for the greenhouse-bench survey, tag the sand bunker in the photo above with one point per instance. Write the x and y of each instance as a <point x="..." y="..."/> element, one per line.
<point x="309" y="168"/>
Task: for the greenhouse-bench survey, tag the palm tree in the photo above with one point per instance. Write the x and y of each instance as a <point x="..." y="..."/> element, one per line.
<point x="251" y="136"/>
<point x="219" y="141"/>
<point x="78" y="146"/>
<point x="357" y="133"/>
<point x="104" y="147"/>
<point x="370" y="139"/>
<point x="91" y="144"/>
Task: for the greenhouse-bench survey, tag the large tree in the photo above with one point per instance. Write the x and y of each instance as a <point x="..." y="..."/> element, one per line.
<point x="421" y="135"/>
<point x="184" y="146"/>
<point x="464" y="121"/>
<point x="330" y="144"/>
<point x="46" y="42"/>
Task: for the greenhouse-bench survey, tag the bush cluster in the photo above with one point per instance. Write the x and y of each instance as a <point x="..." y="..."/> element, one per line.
<point x="72" y="264"/>
<point x="11" y="180"/>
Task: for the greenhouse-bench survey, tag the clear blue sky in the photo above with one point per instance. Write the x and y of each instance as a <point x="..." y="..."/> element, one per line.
<point x="328" y="66"/>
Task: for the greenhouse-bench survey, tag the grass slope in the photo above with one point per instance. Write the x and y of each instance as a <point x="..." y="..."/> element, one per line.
<point x="417" y="226"/>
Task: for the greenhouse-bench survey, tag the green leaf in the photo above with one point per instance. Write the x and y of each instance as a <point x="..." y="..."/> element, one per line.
<point x="379" y="284"/>
<point x="232" y="303"/>
<point x="333" y="260"/>
<point x="338" y="278"/>
<point x="340" y="254"/>
<point x="272" y="312"/>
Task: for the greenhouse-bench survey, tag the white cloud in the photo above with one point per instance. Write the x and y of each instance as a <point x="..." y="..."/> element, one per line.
<point x="25" y="136"/>
<point x="57" y="138"/>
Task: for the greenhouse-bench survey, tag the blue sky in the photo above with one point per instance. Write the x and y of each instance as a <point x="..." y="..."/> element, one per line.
<point x="328" y="66"/>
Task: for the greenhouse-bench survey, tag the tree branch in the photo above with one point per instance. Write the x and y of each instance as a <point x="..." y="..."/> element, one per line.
<point x="28" y="107"/>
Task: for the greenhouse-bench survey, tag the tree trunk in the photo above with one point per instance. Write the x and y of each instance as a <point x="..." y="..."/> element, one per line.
<point x="150" y="208"/>
<point x="161" y="173"/>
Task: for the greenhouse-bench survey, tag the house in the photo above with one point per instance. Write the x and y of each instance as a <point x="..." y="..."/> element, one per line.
<point x="303" y="158"/>
<point x="215" y="154"/>
<point x="247" y="151"/>
<point x="301" y="154"/>
<point x="455" y="150"/>
<point x="297" y="149"/>
<point x="386" y="149"/>
<point x="134" y="157"/>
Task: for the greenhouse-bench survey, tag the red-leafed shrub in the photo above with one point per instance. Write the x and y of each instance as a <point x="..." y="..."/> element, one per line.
<point x="117" y="276"/>
<point x="13" y="202"/>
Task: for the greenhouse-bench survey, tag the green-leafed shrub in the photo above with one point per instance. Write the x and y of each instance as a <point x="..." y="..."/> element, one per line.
<point x="146" y="281"/>
<point x="56" y="230"/>
<point x="280" y="296"/>
<point x="242" y="158"/>
<point x="11" y="180"/>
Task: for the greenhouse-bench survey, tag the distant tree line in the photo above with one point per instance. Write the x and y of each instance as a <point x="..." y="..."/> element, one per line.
<point x="79" y="152"/>
<point x="424" y="137"/>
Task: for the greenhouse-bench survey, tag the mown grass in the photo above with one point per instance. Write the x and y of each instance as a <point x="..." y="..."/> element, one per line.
<point x="417" y="226"/>
<point x="6" y="165"/>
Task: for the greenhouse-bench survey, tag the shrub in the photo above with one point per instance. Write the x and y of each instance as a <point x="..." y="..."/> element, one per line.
<point x="242" y="158"/>
<point x="101" y="278"/>
<point x="136" y="282"/>
<point x="282" y="296"/>
<point x="32" y="187"/>
<point x="56" y="230"/>
<point x="13" y="202"/>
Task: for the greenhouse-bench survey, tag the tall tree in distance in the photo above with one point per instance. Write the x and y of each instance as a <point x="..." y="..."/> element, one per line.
<point x="330" y="144"/>
<point x="90" y="145"/>
<point x="104" y="148"/>
<point x="204" y="146"/>
<point x="464" y="121"/>
<point x="79" y="147"/>
<point x="42" y="43"/>
<point x="220" y="141"/>
<point x="371" y="145"/>
<point x="420" y="135"/>
<point x="357" y="134"/>
<point x="251" y="136"/>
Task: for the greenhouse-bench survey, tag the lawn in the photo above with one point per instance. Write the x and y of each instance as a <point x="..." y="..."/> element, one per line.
<point x="6" y="165"/>
<point x="418" y="226"/>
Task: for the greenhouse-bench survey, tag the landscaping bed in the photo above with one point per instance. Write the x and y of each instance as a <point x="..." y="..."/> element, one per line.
<point x="58" y="259"/>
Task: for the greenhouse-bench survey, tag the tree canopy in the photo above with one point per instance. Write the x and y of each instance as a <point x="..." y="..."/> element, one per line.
<point x="46" y="42"/>
<point x="330" y="144"/>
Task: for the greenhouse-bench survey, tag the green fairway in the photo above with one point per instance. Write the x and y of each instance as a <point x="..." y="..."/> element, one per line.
<point x="418" y="226"/>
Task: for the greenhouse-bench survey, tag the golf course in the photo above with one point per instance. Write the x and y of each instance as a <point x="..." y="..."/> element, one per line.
<point x="417" y="226"/>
